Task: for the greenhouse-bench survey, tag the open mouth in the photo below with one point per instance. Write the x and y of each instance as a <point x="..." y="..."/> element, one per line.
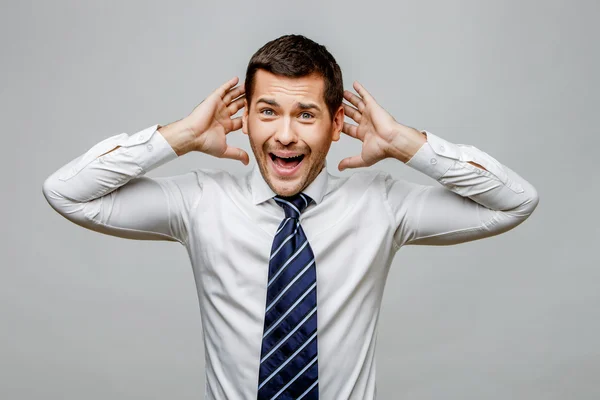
<point x="287" y="162"/>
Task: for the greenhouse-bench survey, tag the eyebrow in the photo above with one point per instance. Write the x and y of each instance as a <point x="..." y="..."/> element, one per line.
<point x="302" y="106"/>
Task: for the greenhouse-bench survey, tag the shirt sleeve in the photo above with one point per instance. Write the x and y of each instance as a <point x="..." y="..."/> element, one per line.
<point x="470" y="204"/>
<point x="108" y="193"/>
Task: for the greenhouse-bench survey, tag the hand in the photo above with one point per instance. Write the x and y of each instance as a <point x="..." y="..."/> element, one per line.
<point x="211" y="121"/>
<point x="381" y="134"/>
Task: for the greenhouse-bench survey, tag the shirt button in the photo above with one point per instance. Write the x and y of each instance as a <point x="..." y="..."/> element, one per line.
<point x="100" y="160"/>
<point x="149" y="147"/>
<point x="442" y="148"/>
<point x="433" y="161"/>
<point x="478" y="171"/>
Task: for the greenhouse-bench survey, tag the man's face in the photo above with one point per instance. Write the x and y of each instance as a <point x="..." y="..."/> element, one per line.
<point x="290" y="129"/>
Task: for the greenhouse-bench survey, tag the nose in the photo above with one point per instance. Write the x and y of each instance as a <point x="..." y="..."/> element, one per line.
<point x="286" y="133"/>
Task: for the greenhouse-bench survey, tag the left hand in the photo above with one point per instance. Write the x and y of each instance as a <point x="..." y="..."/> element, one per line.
<point x="381" y="134"/>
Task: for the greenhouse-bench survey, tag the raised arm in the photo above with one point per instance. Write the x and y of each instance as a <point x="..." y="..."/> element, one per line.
<point x="479" y="196"/>
<point x="104" y="189"/>
<point x="470" y="203"/>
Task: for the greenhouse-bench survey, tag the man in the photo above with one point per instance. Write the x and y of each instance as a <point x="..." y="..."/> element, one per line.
<point x="290" y="261"/>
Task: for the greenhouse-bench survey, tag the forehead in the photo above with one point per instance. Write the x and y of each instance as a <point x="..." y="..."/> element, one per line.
<point x="267" y="84"/>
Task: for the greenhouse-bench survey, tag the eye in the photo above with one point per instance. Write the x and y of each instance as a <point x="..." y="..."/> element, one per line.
<point x="306" y="113"/>
<point x="266" y="109"/>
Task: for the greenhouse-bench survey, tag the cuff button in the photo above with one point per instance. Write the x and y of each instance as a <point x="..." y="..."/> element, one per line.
<point x="433" y="161"/>
<point x="149" y="147"/>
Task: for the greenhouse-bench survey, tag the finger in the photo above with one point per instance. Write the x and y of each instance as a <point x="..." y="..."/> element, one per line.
<point x="352" y="112"/>
<point x="352" y="162"/>
<point x="236" y="106"/>
<point x="363" y="92"/>
<point x="237" y="124"/>
<point x="233" y="93"/>
<point x="236" y="153"/>
<point x="355" y="100"/>
<point x="351" y="130"/>
<point x="221" y="91"/>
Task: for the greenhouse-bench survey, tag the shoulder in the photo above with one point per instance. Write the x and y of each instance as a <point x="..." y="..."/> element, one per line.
<point x="378" y="182"/>
<point x="195" y="181"/>
<point x="223" y="182"/>
<point x="358" y="182"/>
<point x="213" y="174"/>
<point x="364" y="178"/>
<point x="197" y="177"/>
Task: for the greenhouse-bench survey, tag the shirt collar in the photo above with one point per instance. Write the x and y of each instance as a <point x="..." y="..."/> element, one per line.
<point x="261" y="191"/>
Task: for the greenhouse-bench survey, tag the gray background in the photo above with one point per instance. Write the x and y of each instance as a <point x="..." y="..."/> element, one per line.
<point x="89" y="316"/>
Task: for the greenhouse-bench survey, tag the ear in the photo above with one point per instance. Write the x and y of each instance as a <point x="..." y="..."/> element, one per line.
<point x="245" y="118"/>
<point x="338" y="124"/>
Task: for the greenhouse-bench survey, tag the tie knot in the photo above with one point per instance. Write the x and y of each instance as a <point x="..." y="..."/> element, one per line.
<point x="293" y="205"/>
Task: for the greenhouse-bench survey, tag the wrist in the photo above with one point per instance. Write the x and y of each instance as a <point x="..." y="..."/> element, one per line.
<point x="179" y="136"/>
<point x="407" y="142"/>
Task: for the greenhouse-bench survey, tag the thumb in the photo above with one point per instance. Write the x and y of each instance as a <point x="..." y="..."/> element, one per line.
<point x="236" y="153"/>
<point x="352" y="162"/>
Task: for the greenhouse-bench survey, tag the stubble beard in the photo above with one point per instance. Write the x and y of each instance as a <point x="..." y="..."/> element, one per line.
<point x="313" y="171"/>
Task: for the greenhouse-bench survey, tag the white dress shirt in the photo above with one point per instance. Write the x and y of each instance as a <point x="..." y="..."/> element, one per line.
<point x="227" y="224"/>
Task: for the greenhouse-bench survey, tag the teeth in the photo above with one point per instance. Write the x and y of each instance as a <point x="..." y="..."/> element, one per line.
<point x="289" y="158"/>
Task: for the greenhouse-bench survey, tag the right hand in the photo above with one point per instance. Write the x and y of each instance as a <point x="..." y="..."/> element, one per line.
<point x="211" y="121"/>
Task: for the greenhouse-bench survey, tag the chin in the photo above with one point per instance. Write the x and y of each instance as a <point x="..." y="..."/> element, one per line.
<point x="287" y="191"/>
<point x="287" y="187"/>
<point x="286" y="182"/>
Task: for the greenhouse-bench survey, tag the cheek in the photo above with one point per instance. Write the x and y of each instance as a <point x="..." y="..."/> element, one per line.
<point x="318" y="141"/>
<point x="323" y="147"/>
<point x="256" y="134"/>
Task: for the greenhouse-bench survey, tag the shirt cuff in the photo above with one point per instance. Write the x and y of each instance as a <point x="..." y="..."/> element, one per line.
<point x="435" y="157"/>
<point x="149" y="148"/>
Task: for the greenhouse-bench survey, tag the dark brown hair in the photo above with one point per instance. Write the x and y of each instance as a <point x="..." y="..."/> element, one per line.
<point x="296" y="56"/>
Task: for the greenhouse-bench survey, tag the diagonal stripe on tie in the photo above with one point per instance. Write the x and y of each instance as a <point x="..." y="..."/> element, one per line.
<point x="287" y="261"/>
<point x="300" y="257"/>
<point x="289" y="359"/>
<point x="289" y="285"/>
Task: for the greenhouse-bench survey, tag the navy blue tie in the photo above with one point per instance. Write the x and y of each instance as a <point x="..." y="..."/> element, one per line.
<point x="288" y="358"/>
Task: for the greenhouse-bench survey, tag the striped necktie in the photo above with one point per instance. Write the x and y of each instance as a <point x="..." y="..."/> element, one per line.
<point x="288" y="359"/>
